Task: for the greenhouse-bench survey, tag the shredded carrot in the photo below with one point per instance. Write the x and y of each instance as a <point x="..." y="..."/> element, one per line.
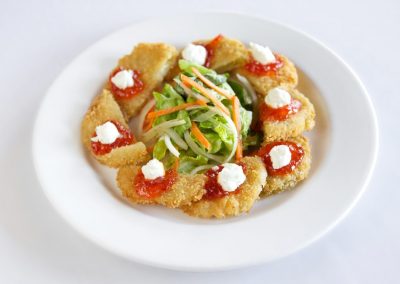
<point x="210" y="84"/>
<point x="236" y="113"/>
<point x="148" y="122"/>
<point x="187" y="81"/>
<point x="239" y="151"/>
<point x="157" y="113"/>
<point x="236" y="121"/>
<point x="176" y="164"/>
<point x="200" y="136"/>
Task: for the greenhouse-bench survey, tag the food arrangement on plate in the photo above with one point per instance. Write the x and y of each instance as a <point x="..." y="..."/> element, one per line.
<point x="218" y="125"/>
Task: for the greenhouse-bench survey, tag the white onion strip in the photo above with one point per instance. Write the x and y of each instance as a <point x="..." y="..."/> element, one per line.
<point x="176" y="138"/>
<point x="170" y="147"/>
<point x="200" y="168"/>
<point x="199" y="151"/>
<point x="160" y="128"/>
<point x="192" y="93"/>
<point x="204" y="116"/>
<point x="142" y="115"/>
<point x="249" y="88"/>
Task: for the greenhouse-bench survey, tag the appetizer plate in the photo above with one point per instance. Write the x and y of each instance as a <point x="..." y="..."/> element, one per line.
<point x="344" y="151"/>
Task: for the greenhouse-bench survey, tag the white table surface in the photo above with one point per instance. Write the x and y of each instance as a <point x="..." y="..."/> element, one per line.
<point x="39" y="38"/>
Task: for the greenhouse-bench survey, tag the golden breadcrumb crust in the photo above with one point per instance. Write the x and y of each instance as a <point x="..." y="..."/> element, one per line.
<point x="277" y="184"/>
<point x="103" y="109"/>
<point x="228" y="54"/>
<point x="233" y="204"/>
<point x="285" y="76"/>
<point x="295" y="124"/>
<point x="186" y="189"/>
<point x="153" y="61"/>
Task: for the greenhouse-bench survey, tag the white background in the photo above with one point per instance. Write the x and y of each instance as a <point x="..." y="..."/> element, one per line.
<point x="39" y="38"/>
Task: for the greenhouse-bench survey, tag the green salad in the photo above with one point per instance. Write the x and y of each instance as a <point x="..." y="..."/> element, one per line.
<point x="202" y="118"/>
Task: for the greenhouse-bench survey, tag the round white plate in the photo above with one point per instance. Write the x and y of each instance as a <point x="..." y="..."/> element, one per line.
<point x="84" y="193"/>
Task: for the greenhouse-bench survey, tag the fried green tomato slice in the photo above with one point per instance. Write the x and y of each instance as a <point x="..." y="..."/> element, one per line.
<point x="279" y="183"/>
<point x="184" y="190"/>
<point x="103" y="109"/>
<point x="295" y="124"/>
<point x="238" y="202"/>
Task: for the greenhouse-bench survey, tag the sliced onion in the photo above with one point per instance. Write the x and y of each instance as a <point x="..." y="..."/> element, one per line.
<point x="200" y="168"/>
<point x="192" y="93"/>
<point x="170" y="147"/>
<point x="196" y="107"/>
<point x="195" y="148"/>
<point x="142" y="115"/>
<point x="176" y="138"/>
<point x="248" y="87"/>
<point x="160" y="128"/>
<point x="204" y="116"/>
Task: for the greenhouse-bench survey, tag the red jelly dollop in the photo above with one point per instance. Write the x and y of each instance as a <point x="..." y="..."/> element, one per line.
<point x="128" y="92"/>
<point x="259" y="69"/>
<point x="153" y="188"/>
<point x="297" y="156"/>
<point x="126" y="138"/>
<point x="210" y="47"/>
<point x="213" y="188"/>
<point x="281" y="113"/>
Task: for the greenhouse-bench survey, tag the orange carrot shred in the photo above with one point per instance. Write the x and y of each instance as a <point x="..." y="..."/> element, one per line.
<point x="157" y="113"/>
<point x="176" y="164"/>
<point x="236" y="121"/>
<point x="236" y="113"/>
<point x="210" y="84"/>
<point x="187" y="81"/>
<point x="239" y="151"/>
<point x="148" y="122"/>
<point x="200" y="136"/>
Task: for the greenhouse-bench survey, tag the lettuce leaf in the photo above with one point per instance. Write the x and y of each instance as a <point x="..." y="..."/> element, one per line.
<point x="219" y="126"/>
<point x="188" y="163"/>
<point x="159" y="149"/>
<point x="167" y="99"/>
<point x="183" y="114"/>
<point x="242" y="94"/>
<point x="246" y="117"/>
<point x="216" y="142"/>
<point x="186" y="66"/>
<point x="217" y="79"/>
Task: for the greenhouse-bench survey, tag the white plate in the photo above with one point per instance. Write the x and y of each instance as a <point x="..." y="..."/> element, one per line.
<point x="344" y="152"/>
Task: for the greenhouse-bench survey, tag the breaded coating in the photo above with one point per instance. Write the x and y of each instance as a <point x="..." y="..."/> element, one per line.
<point x="184" y="191"/>
<point x="295" y="124"/>
<point x="234" y="204"/>
<point x="285" y="76"/>
<point x="173" y="71"/>
<point x="128" y="155"/>
<point x="103" y="109"/>
<point x="153" y="61"/>
<point x="228" y="54"/>
<point x="277" y="184"/>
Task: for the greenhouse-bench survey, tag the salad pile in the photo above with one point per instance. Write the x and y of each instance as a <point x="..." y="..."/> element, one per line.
<point x="199" y="120"/>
